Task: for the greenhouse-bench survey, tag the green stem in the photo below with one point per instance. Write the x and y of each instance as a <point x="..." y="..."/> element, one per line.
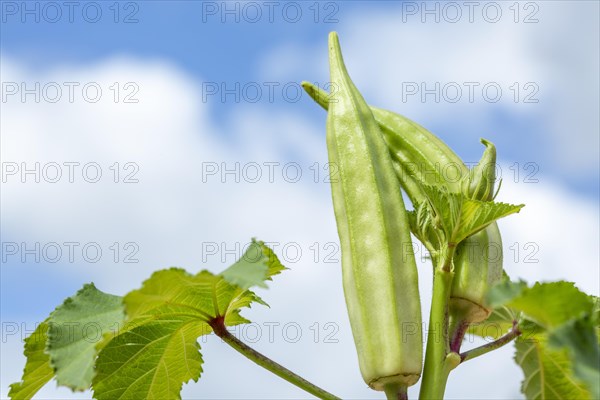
<point x="486" y="348"/>
<point x="395" y="392"/>
<point x="439" y="361"/>
<point x="267" y="363"/>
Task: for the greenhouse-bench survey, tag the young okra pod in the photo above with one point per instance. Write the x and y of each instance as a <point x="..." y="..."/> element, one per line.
<point x="479" y="183"/>
<point x="378" y="265"/>
<point x="478" y="259"/>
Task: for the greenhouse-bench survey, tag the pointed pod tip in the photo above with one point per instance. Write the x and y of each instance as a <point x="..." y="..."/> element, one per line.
<point x="486" y="142"/>
<point x="337" y="68"/>
<point x="308" y="87"/>
<point x="333" y="37"/>
<point x="334" y="45"/>
<point x="317" y="94"/>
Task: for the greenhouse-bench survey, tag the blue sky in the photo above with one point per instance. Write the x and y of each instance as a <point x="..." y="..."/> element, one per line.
<point x="545" y="126"/>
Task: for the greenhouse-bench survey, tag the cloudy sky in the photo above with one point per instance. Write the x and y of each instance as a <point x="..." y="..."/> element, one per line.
<point x="141" y="135"/>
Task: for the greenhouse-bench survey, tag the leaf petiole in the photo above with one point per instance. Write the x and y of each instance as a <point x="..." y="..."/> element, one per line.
<point x="268" y="364"/>
<point x="496" y="344"/>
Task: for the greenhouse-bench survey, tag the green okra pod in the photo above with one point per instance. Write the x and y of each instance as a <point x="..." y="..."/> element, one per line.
<point x="477" y="267"/>
<point x="478" y="259"/>
<point x="479" y="183"/>
<point x="421" y="157"/>
<point x="378" y="265"/>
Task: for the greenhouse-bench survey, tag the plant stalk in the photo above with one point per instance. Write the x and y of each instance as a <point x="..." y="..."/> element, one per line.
<point x="438" y="364"/>
<point x="396" y="392"/>
<point x="268" y="364"/>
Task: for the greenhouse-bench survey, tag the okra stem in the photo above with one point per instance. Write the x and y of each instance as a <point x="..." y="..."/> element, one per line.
<point x="436" y="369"/>
<point x="272" y="366"/>
<point x="396" y="392"/>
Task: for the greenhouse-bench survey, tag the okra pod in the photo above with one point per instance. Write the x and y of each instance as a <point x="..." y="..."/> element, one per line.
<point x="479" y="184"/>
<point x="478" y="259"/>
<point x="378" y="266"/>
<point x="421" y="157"/>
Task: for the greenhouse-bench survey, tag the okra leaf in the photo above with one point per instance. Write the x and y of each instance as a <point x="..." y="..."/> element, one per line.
<point x="158" y="350"/>
<point x="152" y="360"/>
<point x="37" y="370"/>
<point x="475" y="215"/>
<point x="421" y="226"/>
<point x="548" y="373"/>
<point x="448" y="217"/>
<point x="257" y="265"/>
<point x="501" y="321"/>
<point x="548" y="304"/>
<point x="498" y="323"/>
<point x="581" y="341"/>
<point x="569" y="322"/>
<point x="445" y="208"/>
<point x="76" y="329"/>
<point x="67" y="342"/>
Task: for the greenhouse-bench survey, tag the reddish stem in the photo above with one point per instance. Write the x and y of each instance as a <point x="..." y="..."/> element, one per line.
<point x="458" y="336"/>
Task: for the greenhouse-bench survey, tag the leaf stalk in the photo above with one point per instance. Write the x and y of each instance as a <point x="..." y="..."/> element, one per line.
<point x="220" y="330"/>
<point x="496" y="344"/>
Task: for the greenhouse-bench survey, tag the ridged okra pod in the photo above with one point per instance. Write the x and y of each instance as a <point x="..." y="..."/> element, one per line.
<point x="378" y="265"/>
<point x="477" y="266"/>
<point x="478" y="259"/>
<point x="421" y="157"/>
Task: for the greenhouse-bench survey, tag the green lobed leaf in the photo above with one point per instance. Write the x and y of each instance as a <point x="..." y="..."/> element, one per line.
<point x="275" y="266"/>
<point x="422" y="228"/>
<point x="449" y="217"/>
<point x="476" y="215"/>
<point x="256" y="266"/>
<point x="528" y="328"/>
<point x="500" y="322"/>
<point x="566" y="344"/>
<point x="158" y="350"/>
<point x="151" y="361"/>
<point x="503" y="292"/>
<point x="445" y="208"/>
<point x="548" y="372"/>
<point x="580" y="339"/>
<point x="167" y="315"/>
<point x="549" y="304"/>
<point x="204" y="296"/>
<point x="75" y="329"/>
<point x="37" y="370"/>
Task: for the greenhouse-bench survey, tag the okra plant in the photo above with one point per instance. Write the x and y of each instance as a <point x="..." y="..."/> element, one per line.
<point x="379" y="155"/>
